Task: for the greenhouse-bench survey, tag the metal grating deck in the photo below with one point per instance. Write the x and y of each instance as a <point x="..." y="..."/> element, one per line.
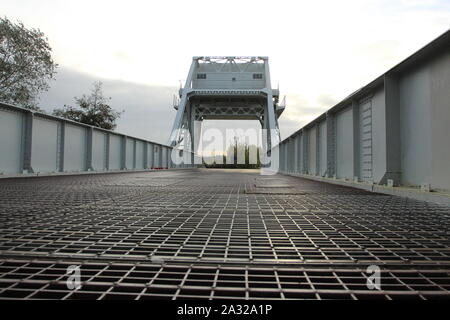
<point x="216" y="234"/>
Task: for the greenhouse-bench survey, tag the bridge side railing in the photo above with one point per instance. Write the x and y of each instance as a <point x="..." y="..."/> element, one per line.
<point x="37" y="143"/>
<point x="394" y="131"/>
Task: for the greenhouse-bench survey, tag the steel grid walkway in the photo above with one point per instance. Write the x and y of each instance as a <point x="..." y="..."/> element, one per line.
<point x="216" y="234"/>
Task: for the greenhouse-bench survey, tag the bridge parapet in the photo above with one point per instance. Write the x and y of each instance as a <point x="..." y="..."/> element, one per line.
<point x="393" y="131"/>
<point x="34" y="143"/>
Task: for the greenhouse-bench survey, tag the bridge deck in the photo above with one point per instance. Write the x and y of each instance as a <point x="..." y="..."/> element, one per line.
<point x="216" y="234"/>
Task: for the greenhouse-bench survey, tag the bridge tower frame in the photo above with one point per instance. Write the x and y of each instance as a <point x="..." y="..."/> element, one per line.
<point x="226" y="87"/>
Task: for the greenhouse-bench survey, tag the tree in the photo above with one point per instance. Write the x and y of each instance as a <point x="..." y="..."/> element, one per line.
<point x="26" y="64"/>
<point x="250" y="154"/>
<point x="92" y="109"/>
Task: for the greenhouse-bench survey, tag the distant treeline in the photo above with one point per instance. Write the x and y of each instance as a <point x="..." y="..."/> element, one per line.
<point x="248" y="156"/>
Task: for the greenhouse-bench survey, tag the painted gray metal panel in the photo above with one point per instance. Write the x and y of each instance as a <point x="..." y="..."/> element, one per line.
<point x="331" y="144"/>
<point x="365" y="143"/>
<point x="440" y="119"/>
<point x="292" y="154"/>
<point x="287" y="151"/>
<point x="305" y="136"/>
<point x="151" y="159"/>
<point x="344" y="152"/>
<point x="378" y="136"/>
<point x="115" y="147"/>
<point x="10" y="141"/>
<point x="130" y="154"/>
<point x="157" y="156"/>
<point x="75" y="148"/>
<point x="415" y="127"/>
<point x="44" y="149"/>
<point x="286" y="156"/>
<point x="98" y="150"/>
<point x="164" y="157"/>
<point x="323" y="148"/>
<point x="393" y="141"/>
<point x="312" y="151"/>
<point x="139" y="155"/>
<point x="43" y="143"/>
<point x="400" y="131"/>
<point x="168" y="161"/>
<point x="295" y="154"/>
<point x="301" y="153"/>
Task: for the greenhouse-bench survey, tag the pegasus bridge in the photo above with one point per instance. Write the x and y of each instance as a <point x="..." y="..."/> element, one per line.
<point x="357" y="205"/>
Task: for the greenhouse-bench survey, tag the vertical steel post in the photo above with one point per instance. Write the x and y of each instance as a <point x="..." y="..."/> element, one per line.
<point x="107" y="150"/>
<point x="318" y="153"/>
<point x="61" y="145"/>
<point x="123" y="159"/>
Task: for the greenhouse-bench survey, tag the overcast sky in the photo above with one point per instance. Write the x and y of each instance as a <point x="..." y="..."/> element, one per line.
<point x="319" y="51"/>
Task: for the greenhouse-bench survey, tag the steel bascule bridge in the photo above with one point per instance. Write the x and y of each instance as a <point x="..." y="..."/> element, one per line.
<point x="363" y="187"/>
<point x="230" y="88"/>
